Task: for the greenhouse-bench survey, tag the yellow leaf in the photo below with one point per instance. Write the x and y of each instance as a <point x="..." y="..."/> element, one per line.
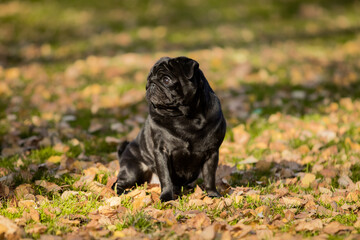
<point x="54" y="159"/>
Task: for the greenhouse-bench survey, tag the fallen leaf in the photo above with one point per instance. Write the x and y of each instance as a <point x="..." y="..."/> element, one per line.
<point x="353" y="196"/>
<point x="50" y="237"/>
<point x="312" y="225"/>
<point x="8" y="229"/>
<point x="27" y="203"/>
<point x="291" y="201"/>
<point x="249" y="160"/>
<point x="54" y="159"/>
<point x="208" y="233"/>
<point x="335" y="227"/>
<point x="200" y="220"/>
<point x="34" y="215"/>
<point x="264" y="234"/>
<point x="4" y="190"/>
<point x="49" y="186"/>
<point x="113" y="201"/>
<point x="36" y="229"/>
<point x="262" y="211"/>
<point x="23" y="189"/>
<point x="307" y="180"/>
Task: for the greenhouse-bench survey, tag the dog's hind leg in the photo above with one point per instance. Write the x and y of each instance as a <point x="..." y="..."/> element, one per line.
<point x="132" y="171"/>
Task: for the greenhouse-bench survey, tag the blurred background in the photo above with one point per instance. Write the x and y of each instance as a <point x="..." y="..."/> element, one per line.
<point x="79" y="67"/>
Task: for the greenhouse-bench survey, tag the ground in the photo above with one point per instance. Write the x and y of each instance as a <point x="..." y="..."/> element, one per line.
<point x="72" y="86"/>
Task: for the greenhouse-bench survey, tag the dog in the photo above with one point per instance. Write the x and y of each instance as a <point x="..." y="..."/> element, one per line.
<point x="182" y="134"/>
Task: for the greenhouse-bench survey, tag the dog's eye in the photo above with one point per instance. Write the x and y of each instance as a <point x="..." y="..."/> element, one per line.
<point x="166" y="80"/>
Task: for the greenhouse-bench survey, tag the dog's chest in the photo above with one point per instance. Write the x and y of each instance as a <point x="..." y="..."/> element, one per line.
<point x="185" y="165"/>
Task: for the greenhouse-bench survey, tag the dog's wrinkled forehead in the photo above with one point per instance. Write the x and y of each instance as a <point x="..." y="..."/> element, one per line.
<point x="175" y="66"/>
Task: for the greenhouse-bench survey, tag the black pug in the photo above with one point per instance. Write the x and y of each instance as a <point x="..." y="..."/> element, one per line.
<point x="181" y="136"/>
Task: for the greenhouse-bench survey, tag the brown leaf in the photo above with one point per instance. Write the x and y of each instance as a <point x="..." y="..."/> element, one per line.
<point x="289" y="215"/>
<point x="196" y="203"/>
<point x="4" y="190"/>
<point x="111" y="181"/>
<point x="141" y="202"/>
<point x="34" y="215"/>
<point x="322" y="211"/>
<point x="208" y="233"/>
<point x="335" y="227"/>
<point x="198" y="193"/>
<point x="224" y="203"/>
<point x="345" y="181"/>
<point x="307" y="180"/>
<point x="83" y="181"/>
<point x="312" y="225"/>
<point x="49" y="186"/>
<point x="36" y="229"/>
<point x="241" y="137"/>
<point x="48" y="213"/>
<point x="65" y="222"/>
<point x="27" y="203"/>
<point x="262" y="211"/>
<point x="292" y="201"/>
<point x="8" y="229"/>
<point x="23" y="189"/>
<point x="50" y="237"/>
<point x="65" y="195"/>
<point x="240" y="230"/>
<point x="226" y="235"/>
<point x="54" y="159"/>
<point x="100" y="189"/>
<point x="353" y="196"/>
<point x="201" y="220"/>
<point x="264" y="234"/>
<point x="155" y="196"/>
<point x="113" y="201"/>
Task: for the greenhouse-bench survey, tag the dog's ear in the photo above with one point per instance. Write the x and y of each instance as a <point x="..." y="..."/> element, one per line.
<point x="189" y="66"/>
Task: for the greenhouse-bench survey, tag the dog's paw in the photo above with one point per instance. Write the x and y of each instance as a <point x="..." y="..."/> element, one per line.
<point x="213" y="194"/>
<point x="167" y="196"/>
<point x="117" y="187"/>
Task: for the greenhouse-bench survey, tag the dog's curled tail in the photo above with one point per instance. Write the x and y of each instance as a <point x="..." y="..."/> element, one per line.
<point x="122" y="147"/>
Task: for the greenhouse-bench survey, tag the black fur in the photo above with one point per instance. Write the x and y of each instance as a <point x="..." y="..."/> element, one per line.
<point x="182" y="134"/>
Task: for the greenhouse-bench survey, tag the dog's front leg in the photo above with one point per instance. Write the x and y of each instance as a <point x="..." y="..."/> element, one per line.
<point x="209" y="175"/>
<point x="167" y="189"/>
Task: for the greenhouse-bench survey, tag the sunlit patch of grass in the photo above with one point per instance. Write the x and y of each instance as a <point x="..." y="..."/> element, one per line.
<point x="98" y="147"/>
<point x="5" y="204"/>
<point x="140" y="221"/>
<point x="346" y="219"/>
<point x="41" y="155"/>
<point x="8" y="162"/>
<point x="355" y="172"/>
<point x="337" y="237"/>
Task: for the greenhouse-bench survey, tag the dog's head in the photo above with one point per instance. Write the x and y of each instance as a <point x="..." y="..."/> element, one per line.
<point x="173" y="84"/>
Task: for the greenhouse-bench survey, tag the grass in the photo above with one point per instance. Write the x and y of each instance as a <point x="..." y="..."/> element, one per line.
<point x="140" y="221"/>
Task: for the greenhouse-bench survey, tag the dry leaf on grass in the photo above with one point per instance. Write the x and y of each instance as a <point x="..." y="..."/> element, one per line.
<point x="200" y="220"/>
<point x="335" y="227"/>
<point x="8" y="229"/>
<point x="36" y="229"/>
<point x="291" y="201"/>
<point x="23" y="189"/>
<point x="49" y="186"/>
<point x="312" y="225"/>
<point x="307" y="180"/>
<point x="208" y="233"/>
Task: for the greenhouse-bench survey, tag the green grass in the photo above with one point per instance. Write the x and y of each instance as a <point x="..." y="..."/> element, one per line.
<point x="140" y="221"/>
<point x="355" y="172"/>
